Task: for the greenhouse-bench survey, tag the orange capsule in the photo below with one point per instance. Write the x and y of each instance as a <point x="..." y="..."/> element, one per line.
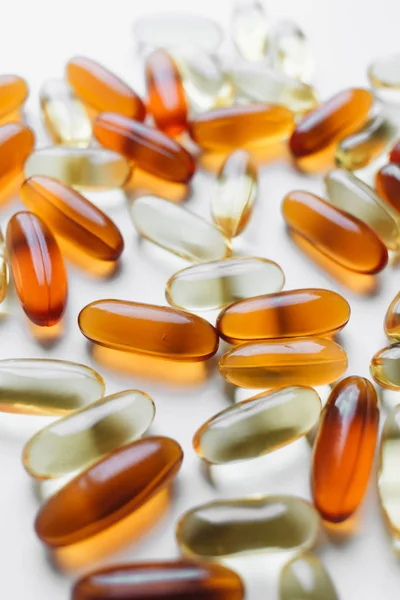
<point x="108" y="491"/>
<point x="100" y="89"/>
<point x="387" y="183"/>
<point x="165" y="93"/>
<point x="344" y="449"/>
<point x="16" y="144"/>
<point x="394" y="156"/>
<point x="340" y="236"/>
<point x="13" y="93"/>
<point x="149" y="149"/>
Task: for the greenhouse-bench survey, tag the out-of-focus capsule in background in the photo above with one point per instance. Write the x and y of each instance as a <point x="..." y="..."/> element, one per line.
<point x="384" y="75"/>
<point x="290" y="51"/>
<point x="16" y="144"/>
<point x="3" y="268"/>
<point x="13" y="93"/>
<point x="395" y="154"/>
<point x="304" y="577"/>
<point x="387" y="183"/>
<point x="388" y="474"/>
<point x="385" y="367"/>
<point x="251" y="29"/>
<point x="392" y="319"/>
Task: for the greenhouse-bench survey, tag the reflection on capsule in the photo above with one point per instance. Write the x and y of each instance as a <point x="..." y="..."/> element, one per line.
<point x="388" y="474"/>
<point x="385" y="367"/>
<point x="305" y="578"/>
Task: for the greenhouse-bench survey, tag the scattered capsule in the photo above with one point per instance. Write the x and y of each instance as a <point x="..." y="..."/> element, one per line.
<point x="384" y="76"/>
<point x="394" y="156"/>
<point x="388" y="473"/>
<point x="219" y="283"/>
<point x="251" y="29"/>
<point x="340" y="236"/>
<point x="178" y="230"/>
<point x="290" y="51"/>
<point x="3" y="268"/>
<point x="298" y="361"/>
<point x="392" y="319"/>
<point x="16" y="144"/>
<point x="88" y="168"/>
<point x="13" y="93"/>
<point x="305" y="578"/>
<point x="103" y="91"/>
<point x="248" y="525"/>
<point x="385" y="367"/>
<point x="148" y="329"/>
<point x="108" y="491"/>
<point x="149" y="149"/>
<point x="387" y="183"/>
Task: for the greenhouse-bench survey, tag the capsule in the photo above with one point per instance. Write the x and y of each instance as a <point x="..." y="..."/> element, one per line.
<point x="219" y="283"/>
<point x="249" y="126"/>
<point x="3" y="269"/>
<point x="387" y="183"/>
<point x="384" y="77"/>
<point x="284" y="315"/>
<point x="392" y="319"/>
<point x="394" y="156"/>
<point x="340" y="236"/>
<point x="178" y="230"/>
<point x="103" y="91"/>
<point x="155" y="330"/>
<point x="108" y="491"/>
<point x="248" y="525"/>
<point x="385" y="367"/>
<point x="290" y="51"/>
<point x="13" y="93"/>
<point x="305" y="578"/>
<point x="149" y="149"/>
<point x="38" y="269"/>
<point x="388" y="474"/>
<point x="344" y="449"/>
<point x="87" y="168"/>
<point x="16" y="144"/>
<point x="348" y="193"/>
<point x="251" y="30"/>
<point x="299" y="361"/>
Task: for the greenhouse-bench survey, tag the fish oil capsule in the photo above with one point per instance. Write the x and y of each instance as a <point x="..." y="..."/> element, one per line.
<point x="305" y="578"/>
<point x="149" y="149"/>
<point x="108" y="491"/>
<point x="388" y="474"/>
<point x="392" y="319"/>
<point x="251" y="30"/>
<point x="387" y="183"/>
<point x="38" y="269"/>
<point x="248" y="525"/>
<point x="225" y="129"/>
<point x="216" y="284"/>
<point x="385" y="367"/>
<point x="258" y="425"/>
<point x="178" y="230"/>
<point x="290" y="51"/>
<point x="87" y="168"/>
<point x="384" y="77"/>
<point x="298" y="361"/>
<point x="13" y="93"/>
<point x="344" y="449"/>
<point x="3" y="269"/>
<point x="103" y="91"/>
<point x="16" y="144"/>
<point x="340" y="236"/>
<point x="84" y="437"/>
<point x="284" y="314"/>
<point x="148" y="329"/>
<point x="394" y="156"/>
<point x="65" y="115"/>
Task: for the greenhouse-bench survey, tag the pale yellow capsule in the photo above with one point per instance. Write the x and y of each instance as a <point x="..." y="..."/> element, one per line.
<point x="389" y="474"/>
<point x="3" y="269"/>
<point x="384" y="75"/>
<point x="385" y="367"/>
<point x="305" y="578"/>
<point x="251" y="29"/>
<point x="392" y="319"/>
<point x="291" y="52"/>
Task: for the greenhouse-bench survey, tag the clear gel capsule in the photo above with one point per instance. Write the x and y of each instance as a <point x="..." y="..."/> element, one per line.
<point x="291" y="52"/>
<point x="392" y="319"/>
<point x="384" y="75"/>
<point x="305" y="578"/>
<point x="389" y="474"/>
<point x="385" y="367"/>
<point x="251" y="29"/>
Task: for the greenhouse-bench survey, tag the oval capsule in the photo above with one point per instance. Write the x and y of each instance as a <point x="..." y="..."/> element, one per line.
<point x="13" y="93"/>
<point x="251" y="30"/>
<point x="392" y="319"/>
<point x="384" y="77"/>
<point x="16" y="144"/>
<point x="385" y="367"/>
<point x="304" y="577"/>
<point x="394" y="156"/>
<point x="387" y="183"/>
<point x="388" y="474"/>
<point x="290" y="51"/>
<point x="3" y="268"/>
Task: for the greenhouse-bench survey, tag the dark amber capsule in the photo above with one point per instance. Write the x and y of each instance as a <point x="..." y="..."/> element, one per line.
<point x="149" y="149"/>
<point x="344" y="449"/>
<point x="13" y="93"/>
<point x="38" y="268"/>
<point x="395" y="154"/>
<point x="387" y="183"/>
<point x="340" y="236"/>
<point x="16" y="144"/>
<point x="100" y="89"/>
<point x="108" y="491"/>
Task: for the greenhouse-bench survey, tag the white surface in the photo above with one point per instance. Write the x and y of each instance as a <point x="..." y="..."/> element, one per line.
<point x="36" y="40"/>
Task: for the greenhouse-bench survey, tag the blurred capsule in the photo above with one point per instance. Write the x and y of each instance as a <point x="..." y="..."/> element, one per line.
<point x="385" y="367"/>
<point x="392" y="319"/>
<point x="384" y="75"/>
<point x="13" y="93"/>
<point x="389" y="474"/>
<point x="16" y="144"/>
<point x="395" y="154"/>
<point x="304" y="577"/>
<point x="290" y="51"/>
<point x="387" y="183"/>
<point x="251" y="29"/>
<point x="3" y="268"/>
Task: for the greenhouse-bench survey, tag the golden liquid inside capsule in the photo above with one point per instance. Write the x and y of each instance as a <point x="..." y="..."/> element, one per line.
<point x="298" y="361"/>
<point x="258" y="425"/>
<point x="290" y="51"/>
<point x="385" y="367"/>
<point x="13" y="93"/>
<point x="248" y="525"/>
<point x="392" y="319"/>
<point x="385" y="78"/>
<point x="389" y="474"/>
<point x="251" y="30"/>
<point x="217" y="284"/>
<point x="47" y="387"/>
<point x="305" y="578"/>
<point x="80" y="439"/>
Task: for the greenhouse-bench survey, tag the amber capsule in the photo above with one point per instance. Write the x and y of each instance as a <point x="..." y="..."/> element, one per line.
<point x="16" y="144"/>
<point x="13" y="93"/>
<point x="340" y="236"/>
<point x="149" y="149"/>
<point x="385" y="367"/>
<point x="100" y="89"/>
<point x="38" y="269"/>
<point x="290" y="51"/>
<point x="344" y="449"/>
<point x="388" y="474"/>
<point x="394" y="156"/>
<point x="148" y="329"/>
<point x="305" y="578"/>
<point x="392" y="319"/>
<point x="251" y="30"/>
<point x="387" y="182"/>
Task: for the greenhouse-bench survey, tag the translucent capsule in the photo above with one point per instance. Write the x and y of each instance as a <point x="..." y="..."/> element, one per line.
<point x="84" y="437"/>
<point x="65" y="116"/>
<point x="388" y="474"/>
<point x="149" y="149"/>
<point x="305" y="578"/>
<point x="3" y="269"/>
<point x="178" y="230"/>
<point x="387" y="183"/>
<point x="298" y="361"/>
<point x="385" y="367"/>
<point x="340" y="236"/>
<point x="384" y="76"/>
<point x="16" y="144"/>
<point x="395" y="154"/>
<point x="13" y="93"/>
<point x="217" y="284"/>
<point x="248" y="525"/>
<point x="344" y="449"/>
<point x="108" y="491"/>
<point x="251" y="29"/>
<point x="47" y="387"/>
<point x="156" y="330"/>
<point x="291" y="52"/>
<point x="88" y="168"/>
<point x="392" y="319"/>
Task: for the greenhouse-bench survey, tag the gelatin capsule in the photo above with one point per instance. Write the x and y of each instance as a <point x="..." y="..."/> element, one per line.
<point x="387" y="183"/>
<point x="344" y="449"/>
<point x="13" y="93"/>
<point x="392" y="319"/>
<point x="102" y="90"/>
<point x="248" y="525"/>
<point x="395" y="154"/>
<point x="65" y="115"/>
<point x="3" y="268"/>
<point x="148" y="329"/>
<point x="72" y="218"/>
<point x="284" y="315"/>
<point x="178" y="230"/>
<point x="298" y="361"/>
<point x="290" y="51"/>
<point x="384" y="77"/>
<point x="149" y="149"/>
<point x="217" y="284"/>
<point x="388" y="474"/>
<point x="38" y="269"/>
<point x="251" y="29"/>
<point x="39" y="386"/>
<point x="88" y="168"/>
<point x="385" y="367"/>
<point x="108" y="491"/>
<point x="84" y="437"/>
<point x="16" y="144"/>
<point x="340" y="236"/>
<point x="305" y="578"/>
<point x="259" y="425"/>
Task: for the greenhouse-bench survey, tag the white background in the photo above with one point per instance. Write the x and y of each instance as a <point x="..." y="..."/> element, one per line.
<point x="36" y="40"/>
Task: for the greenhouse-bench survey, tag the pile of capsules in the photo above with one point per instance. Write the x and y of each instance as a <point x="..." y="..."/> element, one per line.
<point x="280" y="341"/>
